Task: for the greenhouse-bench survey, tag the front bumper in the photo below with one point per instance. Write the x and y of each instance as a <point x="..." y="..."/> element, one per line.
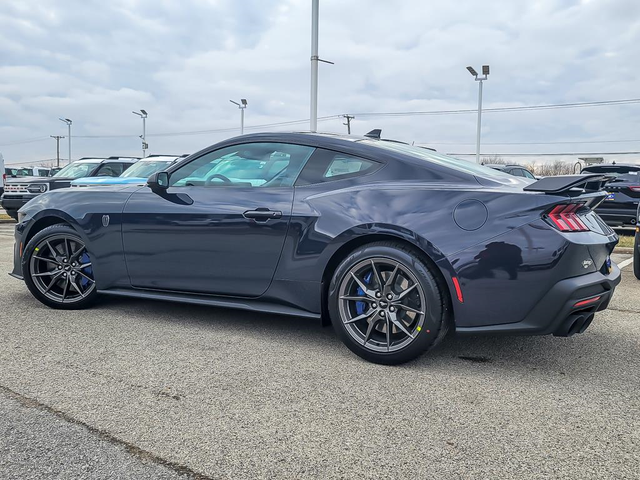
<point x="556" y="312"/>
<point x="16" y="202"/>
<point x="17" y="252"/>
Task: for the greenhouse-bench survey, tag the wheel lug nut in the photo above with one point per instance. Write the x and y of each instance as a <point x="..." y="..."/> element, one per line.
<point x="374" y="305"/>
<point x="382" y="314"/>
<point x="392" y="309"/>
<point x="378" y="294"/>
<point x="389" y="296"/>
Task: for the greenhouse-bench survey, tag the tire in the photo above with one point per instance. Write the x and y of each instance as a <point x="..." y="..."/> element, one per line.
<point x="51" y="276"/>
<point x="636" y="255"/>
<point x="13" y="214"/>
<point x="421" y="310"/>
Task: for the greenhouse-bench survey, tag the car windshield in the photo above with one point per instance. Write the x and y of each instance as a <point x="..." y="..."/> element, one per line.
<point x="144" y="168"/>
<point x="440" y="159"/>
<point x="77" y="170"/>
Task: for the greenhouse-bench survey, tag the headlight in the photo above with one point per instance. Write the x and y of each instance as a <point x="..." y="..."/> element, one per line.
<point x="37" y="188"/>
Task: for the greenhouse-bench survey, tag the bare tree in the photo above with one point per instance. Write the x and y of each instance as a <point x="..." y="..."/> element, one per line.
<point x="493" y="160"/>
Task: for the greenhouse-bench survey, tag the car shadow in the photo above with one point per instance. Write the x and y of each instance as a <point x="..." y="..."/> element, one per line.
<point x="581" y="355"/>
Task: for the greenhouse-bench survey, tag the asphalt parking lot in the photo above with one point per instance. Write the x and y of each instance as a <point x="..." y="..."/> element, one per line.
<point x="135" y="389"/>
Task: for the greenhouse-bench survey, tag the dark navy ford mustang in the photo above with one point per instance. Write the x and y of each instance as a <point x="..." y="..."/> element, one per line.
<point x="392" y="244"/>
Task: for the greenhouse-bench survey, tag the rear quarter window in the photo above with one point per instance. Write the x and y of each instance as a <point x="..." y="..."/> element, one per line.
<point x="326" y="165"/>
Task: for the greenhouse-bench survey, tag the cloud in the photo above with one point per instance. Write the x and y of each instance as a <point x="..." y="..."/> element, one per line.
<point x="182" y="61"/>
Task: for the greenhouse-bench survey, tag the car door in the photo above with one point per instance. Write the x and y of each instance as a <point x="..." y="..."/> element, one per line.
<point x="220" y="226"/>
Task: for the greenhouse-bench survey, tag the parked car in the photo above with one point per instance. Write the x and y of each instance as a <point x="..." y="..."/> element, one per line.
<point x="620" y="207"/>
<point x="392" y="244"/>
<point x="515" y="170"/>
<point x="3" y="177"/>
<point x="636" y="247"/>
<point x="136" y="175"/>
<point x="19" y="191"/>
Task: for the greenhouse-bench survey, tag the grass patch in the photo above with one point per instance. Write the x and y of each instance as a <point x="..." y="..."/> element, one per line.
<point x="626" y="240"/>
<point x="4" y="216"/>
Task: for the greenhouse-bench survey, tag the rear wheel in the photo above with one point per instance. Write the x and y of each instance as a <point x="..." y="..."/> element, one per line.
<point x="385" y="304"/>
<point x="57" y="269"/>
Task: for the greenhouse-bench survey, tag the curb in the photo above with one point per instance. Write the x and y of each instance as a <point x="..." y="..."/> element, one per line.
<point x="623" y="250"/>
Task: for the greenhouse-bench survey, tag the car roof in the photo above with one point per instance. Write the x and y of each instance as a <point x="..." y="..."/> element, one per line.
<point x="502" y="166"/>
<point x="167" y="158"/>
<point x="107" y="160"/>
<point x="611" y="167"/>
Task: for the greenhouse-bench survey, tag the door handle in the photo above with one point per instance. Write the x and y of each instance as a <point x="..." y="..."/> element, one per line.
<point x="262" y="214"/>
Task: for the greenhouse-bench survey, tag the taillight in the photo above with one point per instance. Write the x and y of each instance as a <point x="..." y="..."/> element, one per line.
<point x="635" y="189"/>
<point x="565" y="218"/>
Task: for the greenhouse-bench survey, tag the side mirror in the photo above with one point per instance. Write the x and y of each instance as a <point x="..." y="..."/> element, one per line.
<point x="158" y="182"/>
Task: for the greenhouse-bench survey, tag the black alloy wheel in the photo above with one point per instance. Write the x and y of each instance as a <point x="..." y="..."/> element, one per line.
<point x="57" y="268"/>
<point x="386" y="305"/>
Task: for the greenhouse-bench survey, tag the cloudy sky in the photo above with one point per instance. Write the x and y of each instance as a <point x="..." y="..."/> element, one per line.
<point x="95" y="61"/>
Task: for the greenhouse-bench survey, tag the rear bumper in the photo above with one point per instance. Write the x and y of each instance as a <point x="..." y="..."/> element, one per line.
<point x="617" y="217"/>
<point x="556" y="313"/>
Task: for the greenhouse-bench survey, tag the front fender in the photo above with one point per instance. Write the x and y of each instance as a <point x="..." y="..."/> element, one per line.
<point x="95" y="216"/>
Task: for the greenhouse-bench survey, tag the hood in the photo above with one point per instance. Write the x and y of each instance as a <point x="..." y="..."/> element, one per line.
<point x="20" y="180"/>
<point x="110" y="181"/>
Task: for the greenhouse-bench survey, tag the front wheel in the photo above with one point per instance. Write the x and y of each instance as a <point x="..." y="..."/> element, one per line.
<point x="57" y="269"/>
<point x="386" y="305"/>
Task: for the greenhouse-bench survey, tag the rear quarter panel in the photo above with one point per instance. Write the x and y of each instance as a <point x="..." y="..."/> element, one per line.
<point x="504" y="261"/>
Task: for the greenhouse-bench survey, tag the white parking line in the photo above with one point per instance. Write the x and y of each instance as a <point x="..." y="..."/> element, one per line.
<point x="628" y="261"/>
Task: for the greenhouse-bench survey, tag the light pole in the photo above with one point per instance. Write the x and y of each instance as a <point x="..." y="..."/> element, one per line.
<point x="485" y="75"/>
<point x="68" y="122"/>
<point x="315" y="14"/>
<point x="143" y="115"/>
<point x="242" y="105"/>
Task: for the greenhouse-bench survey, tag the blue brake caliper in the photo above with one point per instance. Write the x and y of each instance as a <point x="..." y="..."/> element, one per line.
<point x="87" y="271"/>
<point x="360" y="306"/>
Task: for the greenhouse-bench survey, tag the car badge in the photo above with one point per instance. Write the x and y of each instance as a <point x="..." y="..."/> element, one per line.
<point x="105" y="221"/>
<point x="587" y="263"/>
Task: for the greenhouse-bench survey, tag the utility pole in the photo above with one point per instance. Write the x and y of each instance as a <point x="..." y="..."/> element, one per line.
<point x="57" y="137"/>
<point x="348" y="118"/>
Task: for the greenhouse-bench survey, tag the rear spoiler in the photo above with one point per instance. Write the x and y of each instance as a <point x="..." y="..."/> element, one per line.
<point x="565" y="183"/>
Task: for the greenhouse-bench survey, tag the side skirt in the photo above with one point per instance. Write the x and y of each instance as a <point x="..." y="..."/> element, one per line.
<point x="242" y="304"/>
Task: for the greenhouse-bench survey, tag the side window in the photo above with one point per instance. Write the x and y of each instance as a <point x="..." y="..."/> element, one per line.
<point x="327" y="165"/>
<point x="516" y="172"/>
<point x="528" y="174"/>
<point x="244" y="165"/>
<point x="109" y="170"/>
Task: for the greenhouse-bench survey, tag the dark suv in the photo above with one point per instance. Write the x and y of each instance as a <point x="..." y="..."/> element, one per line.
<point x="621" y="206"/>
<point x="18" y="191"/>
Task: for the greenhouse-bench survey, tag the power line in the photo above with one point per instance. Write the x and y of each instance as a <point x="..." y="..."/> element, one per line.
<point x="29" y="140"/>
<point x="557" y="106"/>
<point x="572" y="142"/>
<point x="506" y="154"/>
